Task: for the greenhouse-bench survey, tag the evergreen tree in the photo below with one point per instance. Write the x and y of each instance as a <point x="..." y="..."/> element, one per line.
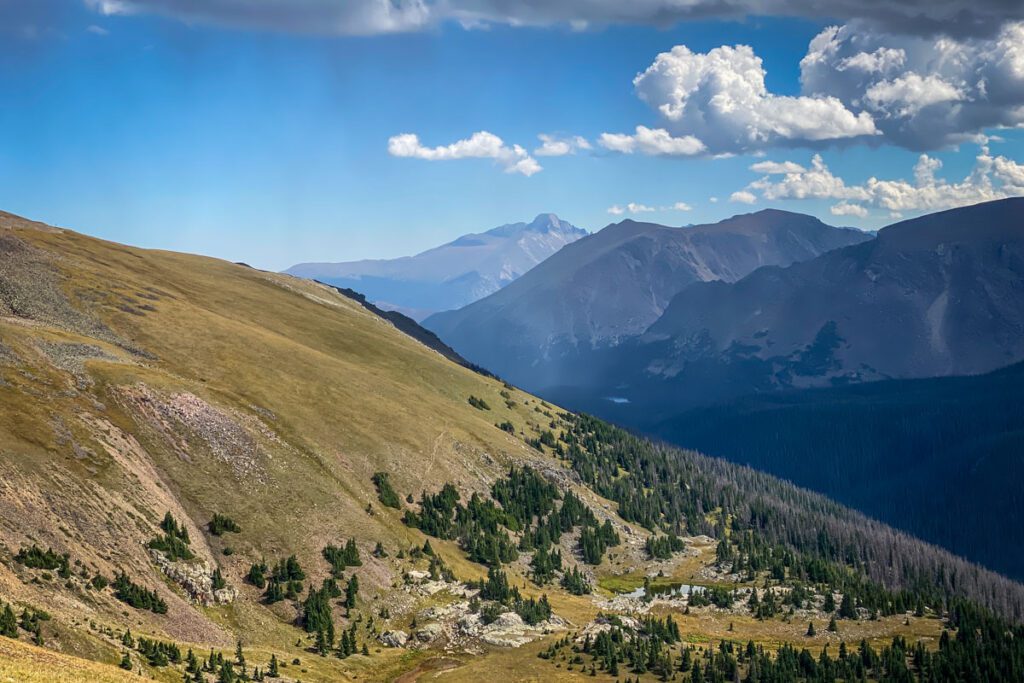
<point x="8" y="623"/>
<point x="272" y="669"/>
<point x="126" y="661"/>
<point x="351" y="590"/>
<point x="226" y="673"/>
<point x="847" y="610"/>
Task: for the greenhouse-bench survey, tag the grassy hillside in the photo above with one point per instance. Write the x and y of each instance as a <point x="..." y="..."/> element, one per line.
<point x="143" y="393"/>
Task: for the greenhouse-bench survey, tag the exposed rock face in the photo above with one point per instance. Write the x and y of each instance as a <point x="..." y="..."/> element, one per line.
<point x="196" y="578"/>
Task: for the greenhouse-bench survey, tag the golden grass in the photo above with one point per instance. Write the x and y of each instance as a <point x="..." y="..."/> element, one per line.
<point x="23" y="663"/>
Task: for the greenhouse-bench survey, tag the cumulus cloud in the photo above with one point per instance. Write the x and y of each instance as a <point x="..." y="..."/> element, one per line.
<point x="634" y="208"/>
<point x="552" y="146"/>
<point x="922" y="93"/>
<point x="480" y="145"/>
<point x="858" y="84"/>
<point x="743" y="197"/>
<point x="925" y="17"/>
<point x="652" y="141"/>
<point x="720" y="98"/>
<point x="848" y="209"/>
<point x="993" y="177"/>
<point x="815" y="182"/>
<point x="776" y="167"/>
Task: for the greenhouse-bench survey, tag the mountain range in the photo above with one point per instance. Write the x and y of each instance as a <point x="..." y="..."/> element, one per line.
<point x="613" y="285"/>
<point x="215" y="473"/>
<point x="453" y="274"/>
<point x="934" y="296"/>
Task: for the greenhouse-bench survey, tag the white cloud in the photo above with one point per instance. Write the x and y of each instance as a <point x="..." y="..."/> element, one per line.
<point x="907" y="95"/>
<point x="713" y="200"/>
<point x="97" y="30"/>
<point x="652" y="141"/>
<point x="923" y="93"/>
<point x="743" y="197"/>
<point x="993" y="177"/>
<point x="552" y="146"/>
<point x="634" y="208"/>
<point x="480" y="145"/>
<point x="816" y="182"/>
<point x="776" y="167"/>
<point x="720" y="97"/>
<point x="848" y="209"/>
<point x="858" y="84"/>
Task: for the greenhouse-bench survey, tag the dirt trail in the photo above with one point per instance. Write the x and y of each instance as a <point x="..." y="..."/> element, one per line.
<point x="436" y="665"/>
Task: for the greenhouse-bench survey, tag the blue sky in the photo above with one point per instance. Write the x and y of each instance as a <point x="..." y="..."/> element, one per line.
<point x="272" y="147"/>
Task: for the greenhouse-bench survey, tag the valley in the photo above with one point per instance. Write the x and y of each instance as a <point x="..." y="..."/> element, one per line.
<point x="206" y="464"/>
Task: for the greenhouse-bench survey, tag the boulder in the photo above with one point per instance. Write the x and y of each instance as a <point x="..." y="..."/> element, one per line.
<point x="394" y="638"/>
<point x="429" y="633"/>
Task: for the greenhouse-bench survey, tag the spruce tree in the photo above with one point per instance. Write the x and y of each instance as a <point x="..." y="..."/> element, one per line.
<point x="126" y="661"/>
<point x="8" y="623"/>
<point x="272" y="669"/>
<point x="226" y="673"/>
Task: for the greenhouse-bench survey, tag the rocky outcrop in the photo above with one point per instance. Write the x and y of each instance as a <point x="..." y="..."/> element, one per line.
<point x="196" y="579"/>
<point x="394" y="638"/>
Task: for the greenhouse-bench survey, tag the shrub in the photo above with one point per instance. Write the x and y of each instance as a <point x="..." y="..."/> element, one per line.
<point x="221" y="524"/>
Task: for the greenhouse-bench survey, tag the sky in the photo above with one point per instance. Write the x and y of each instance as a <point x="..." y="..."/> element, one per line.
<point x="276" y="132"/>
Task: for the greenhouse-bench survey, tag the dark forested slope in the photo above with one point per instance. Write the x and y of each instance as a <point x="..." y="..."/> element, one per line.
<point x="940" y="458"/>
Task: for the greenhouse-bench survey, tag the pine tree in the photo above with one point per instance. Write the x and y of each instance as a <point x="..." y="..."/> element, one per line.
<point x="351" y="590"/>
<point x="226" y="673"/>
<point x="8" y="623"/>
<point x="810" y="630"/>
<point x="847" y="609"/>
<point x="239" y="656"/>
<point x="832" y="626"/>
<point x="126" y="661"/>
<point x="272" y="669"/>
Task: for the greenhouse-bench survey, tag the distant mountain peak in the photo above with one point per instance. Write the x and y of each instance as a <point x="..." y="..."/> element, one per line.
<point x="453" y="274"/>
<point x="543" y="224"/>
